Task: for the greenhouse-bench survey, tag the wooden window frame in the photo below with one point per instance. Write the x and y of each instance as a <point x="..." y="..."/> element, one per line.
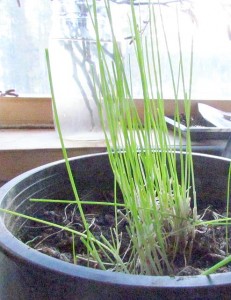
<point x="28" y="138"/>
<point x="36" y="112"/>
<point x="26" y="112"/>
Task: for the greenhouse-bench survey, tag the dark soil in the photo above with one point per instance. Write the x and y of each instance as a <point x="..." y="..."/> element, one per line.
<point x="195" y="121"/>
<point x="208" y="248"/>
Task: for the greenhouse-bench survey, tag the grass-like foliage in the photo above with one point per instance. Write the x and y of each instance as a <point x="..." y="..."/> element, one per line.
<point x="157" y="200"/>
<point x="157" y="183"/>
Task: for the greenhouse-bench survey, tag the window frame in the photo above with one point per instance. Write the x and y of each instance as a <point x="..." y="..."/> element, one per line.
<point x="36" y="112"/>
<point x="26" y="112"/>
<point x="31" y="119"/>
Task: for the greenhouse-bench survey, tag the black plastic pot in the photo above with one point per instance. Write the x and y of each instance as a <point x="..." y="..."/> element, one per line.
<point x="27" y="274"/>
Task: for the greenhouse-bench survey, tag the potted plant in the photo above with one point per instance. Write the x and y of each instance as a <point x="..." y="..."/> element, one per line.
<point x="135" y="218"/>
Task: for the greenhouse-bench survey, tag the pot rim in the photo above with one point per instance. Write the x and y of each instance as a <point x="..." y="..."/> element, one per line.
<point x="21" y="252"/>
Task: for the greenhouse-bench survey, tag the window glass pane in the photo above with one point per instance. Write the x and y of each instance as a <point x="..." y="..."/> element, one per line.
<point x="212" y="72"/>
<point x="209" y="24"/>
<point x="24" y="36"/>
<point x="25" y="32"/>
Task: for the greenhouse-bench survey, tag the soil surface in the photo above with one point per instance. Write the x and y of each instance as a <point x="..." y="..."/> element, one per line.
<point x="195" y="121"/>
<point x="208" y="248"/>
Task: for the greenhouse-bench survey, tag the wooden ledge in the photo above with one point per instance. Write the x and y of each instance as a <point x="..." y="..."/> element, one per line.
<point x="24" y="149"/>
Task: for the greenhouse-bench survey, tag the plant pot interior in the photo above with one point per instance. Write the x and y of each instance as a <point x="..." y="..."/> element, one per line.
<point x="94" y="180"/>
<point x="93" y="173"/>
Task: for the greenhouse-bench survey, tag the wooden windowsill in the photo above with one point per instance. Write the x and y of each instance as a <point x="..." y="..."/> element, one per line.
<point x="35" y="139"/>
<point x="24" y="149"/>
<point x="36" y="112"/>
<point x="26" y="112"/>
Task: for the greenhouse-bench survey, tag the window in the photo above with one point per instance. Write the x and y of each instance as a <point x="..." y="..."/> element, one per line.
<point x="209" y="22"/>
<point x="212" y="73"/>
<point x="25" y="32"/>
<point x="24" y="35"/>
